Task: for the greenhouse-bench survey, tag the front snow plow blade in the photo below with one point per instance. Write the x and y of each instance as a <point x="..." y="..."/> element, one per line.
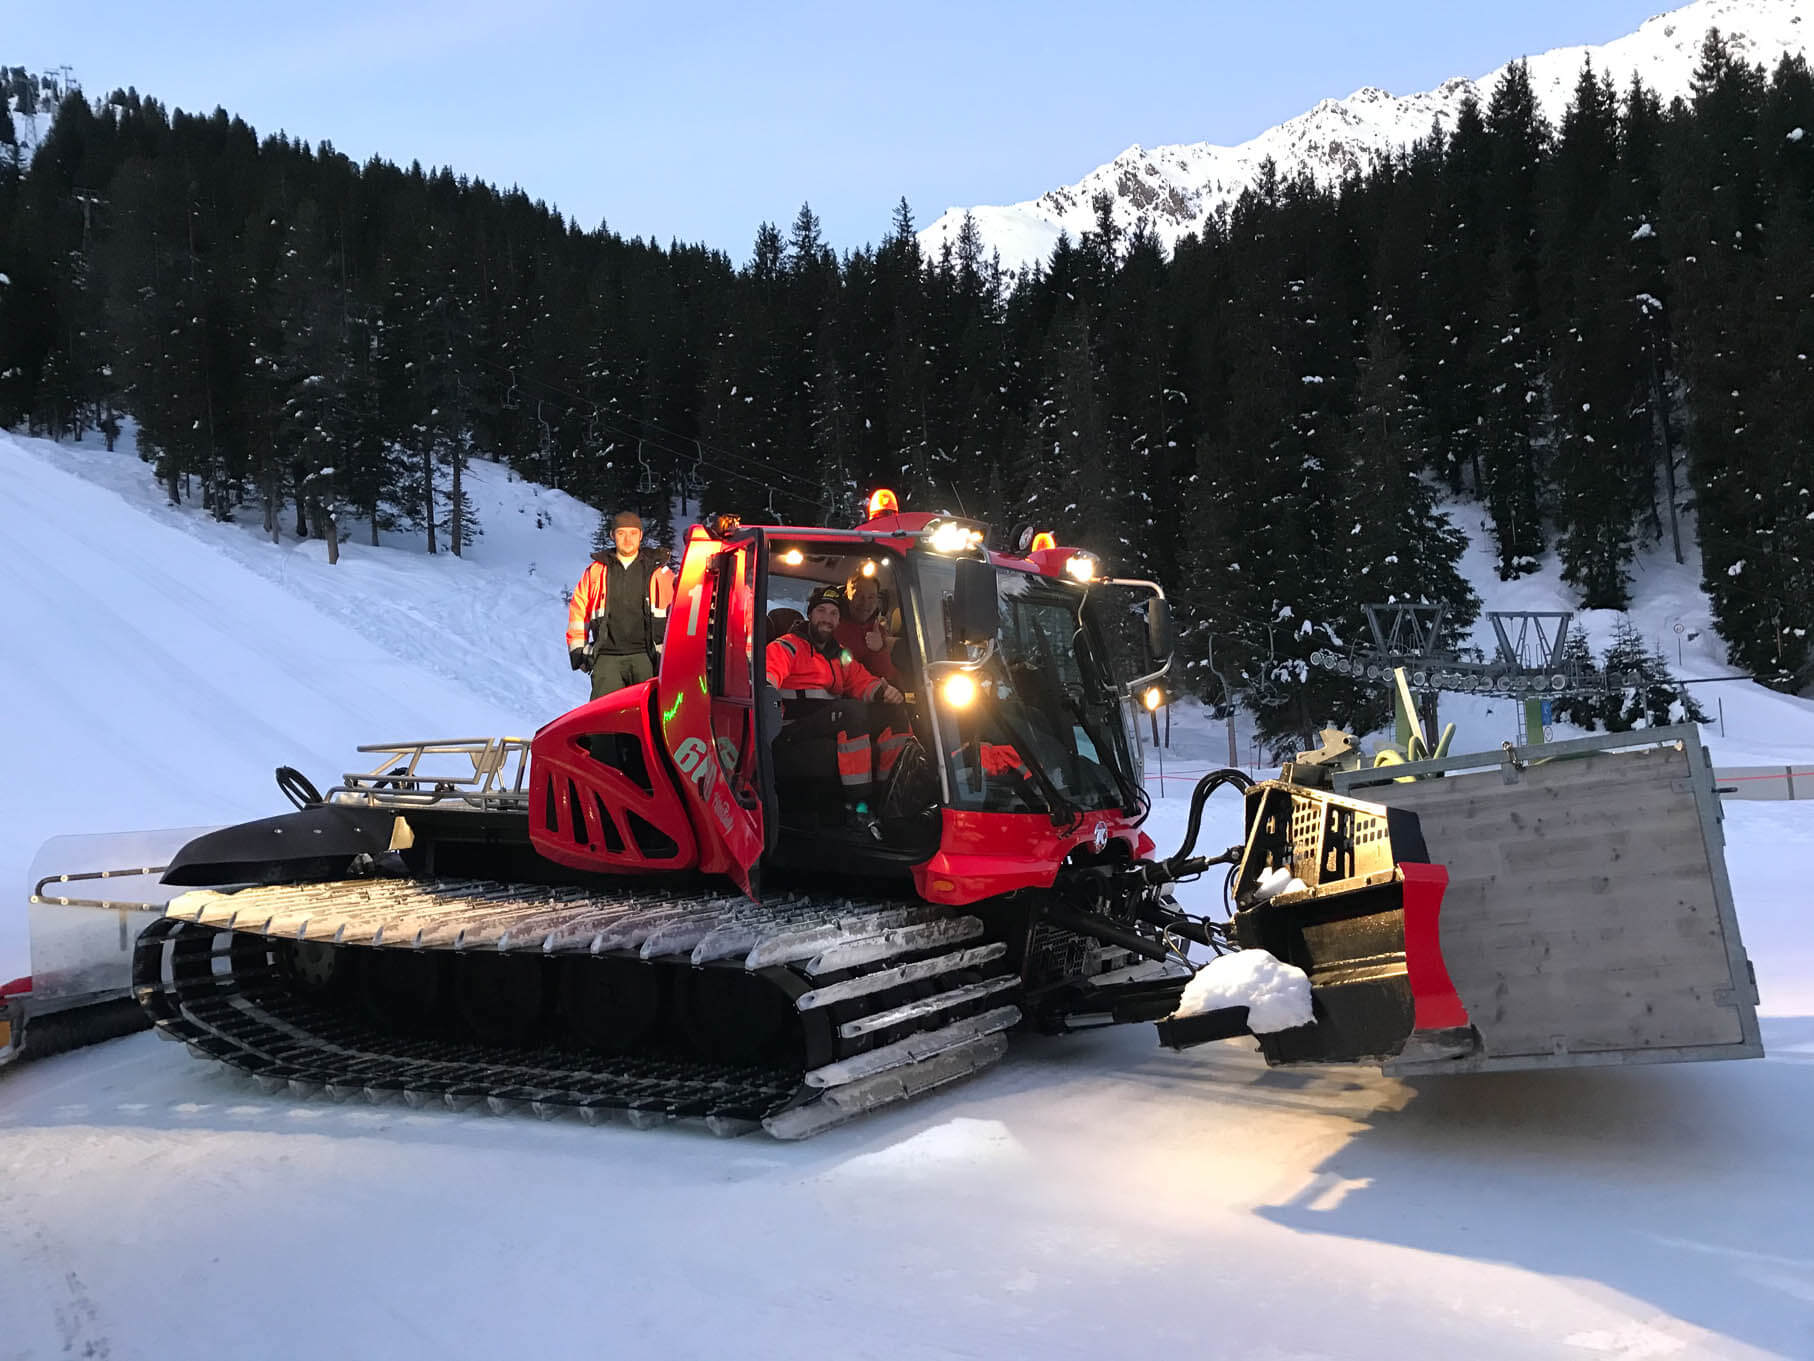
<point x="630" y="1003"/>
<point x="1343" y="890"/>
<point x="82" y="924"/>
<point x="1587" y="917"/>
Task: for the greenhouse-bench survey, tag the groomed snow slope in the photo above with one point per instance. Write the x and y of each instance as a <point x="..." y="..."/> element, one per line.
<point x="1093" y="1197"/>
<point x="159" y="666"/>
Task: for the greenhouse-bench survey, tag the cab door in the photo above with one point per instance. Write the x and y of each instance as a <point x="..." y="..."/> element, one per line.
<point x="712" y="678"/>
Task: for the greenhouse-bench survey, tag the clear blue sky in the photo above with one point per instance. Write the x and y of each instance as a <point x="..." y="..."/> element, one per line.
<point x="698" y="119"/>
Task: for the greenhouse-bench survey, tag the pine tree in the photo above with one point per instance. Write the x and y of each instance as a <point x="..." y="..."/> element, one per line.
<point x="1582" y="706"/>
<point x="159" y="286"/>
<point x="981" y="373"/>
<point x="1643" y="129"/>
<point x="1641" y="693"/>
<point x="1396" y="546"/>
<point x="1452" y="304"/>
<point x="1515" y="419"/>
<point x="1136" y="342"/>
<point x="1715" y="194"/>
<point x="1596" y="376"/>
<point x="912" y="457"/>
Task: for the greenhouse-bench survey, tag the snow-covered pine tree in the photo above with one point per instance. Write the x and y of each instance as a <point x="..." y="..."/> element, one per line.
<point x="1515" y="403"/>
<point x="363" y="465"/>
<point x="1451" y="303"/>
<point x="912" y="460"/>
<point x="1582" y="707"/>
<point x="1597" y="376"/>
<point x="1782" y="375"/>
<point x="1266" y="571"/>
<point x="984" y="388"/>
<point x="1393" y="545"/>
<point x="1715" y="201"/>
<point x="1144" y="405"/>
<point x="612" y="384"/>
<point x="159" y="297"/>
<point x="1642" y="693"/>
<point x="1648" y="253"/>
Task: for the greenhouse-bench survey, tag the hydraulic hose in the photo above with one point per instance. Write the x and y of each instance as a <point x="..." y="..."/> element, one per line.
<point x="1206" y="786"/>
<point x="297" y="787"/>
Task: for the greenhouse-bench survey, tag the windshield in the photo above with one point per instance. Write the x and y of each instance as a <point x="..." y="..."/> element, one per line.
<point x="1047" y="732"/>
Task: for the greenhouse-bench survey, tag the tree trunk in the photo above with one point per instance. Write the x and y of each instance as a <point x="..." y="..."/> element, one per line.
<point x="1659" y="406"/>
<point x="428" y="494"/>
<point x="456" y="518"/>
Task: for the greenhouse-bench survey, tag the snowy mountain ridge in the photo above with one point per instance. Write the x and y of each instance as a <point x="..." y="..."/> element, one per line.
<point x="1177" y="188"/>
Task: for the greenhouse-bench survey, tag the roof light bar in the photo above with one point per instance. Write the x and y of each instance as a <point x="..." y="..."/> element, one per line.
<point x="952" y="537"/>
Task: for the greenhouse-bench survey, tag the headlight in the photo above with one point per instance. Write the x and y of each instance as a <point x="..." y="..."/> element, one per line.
<point x="948" y="536"/>
<point x="1081" y="566"/>
<point x="959" y="690"/>
<point x="793" y="557"/>
<point x="1153" y="698"/>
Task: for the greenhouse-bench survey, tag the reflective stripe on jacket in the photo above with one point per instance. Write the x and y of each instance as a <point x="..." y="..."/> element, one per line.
<point x="588" y="601"/>
<point x="794" y="664"/>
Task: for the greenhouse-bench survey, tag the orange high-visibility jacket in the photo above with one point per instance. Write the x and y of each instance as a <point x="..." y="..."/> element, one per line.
<point x="588" y="601"/>
<point x="800" y="671"/>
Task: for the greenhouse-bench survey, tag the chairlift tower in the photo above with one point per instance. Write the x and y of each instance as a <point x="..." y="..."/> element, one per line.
<point x="1529" y="660"/>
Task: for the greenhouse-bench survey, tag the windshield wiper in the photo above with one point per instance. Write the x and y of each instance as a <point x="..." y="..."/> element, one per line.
<point x="1106" y="750"/>
<point x="1104" y="685"/>
<point x="1058" y="807"/>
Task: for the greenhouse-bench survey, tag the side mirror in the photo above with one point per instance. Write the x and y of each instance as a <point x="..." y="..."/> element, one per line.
<point x="1159" y="638"/>
<point x="975" y="610"/>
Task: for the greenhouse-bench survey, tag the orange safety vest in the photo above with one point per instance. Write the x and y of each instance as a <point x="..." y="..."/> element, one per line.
<point x="588" y="601"/>
<point x="800" y="671"/>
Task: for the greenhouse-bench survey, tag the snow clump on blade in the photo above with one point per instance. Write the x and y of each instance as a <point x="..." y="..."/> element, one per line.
<point x="1276" y="994"/>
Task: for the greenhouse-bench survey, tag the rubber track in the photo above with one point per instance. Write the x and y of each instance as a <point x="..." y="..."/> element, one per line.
<point x="205" y="975"/>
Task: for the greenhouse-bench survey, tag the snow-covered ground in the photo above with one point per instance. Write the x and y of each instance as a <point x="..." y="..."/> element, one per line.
<point x="1093" y="1196"/>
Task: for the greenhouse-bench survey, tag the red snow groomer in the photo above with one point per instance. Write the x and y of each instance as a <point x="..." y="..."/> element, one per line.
<point x="823" y="864"/>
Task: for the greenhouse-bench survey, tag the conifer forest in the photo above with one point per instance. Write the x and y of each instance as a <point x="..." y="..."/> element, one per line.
<point x="1592" y="338"/>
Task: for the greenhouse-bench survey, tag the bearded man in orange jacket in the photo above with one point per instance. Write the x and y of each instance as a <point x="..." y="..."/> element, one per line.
<point x="811" y="665"/>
